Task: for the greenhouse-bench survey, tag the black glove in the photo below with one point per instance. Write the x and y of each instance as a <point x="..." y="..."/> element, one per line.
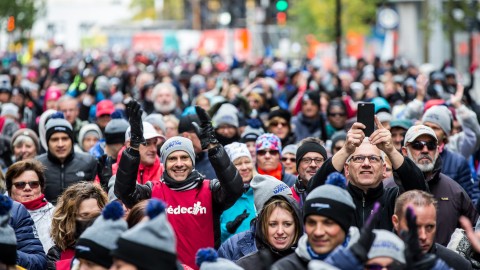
<point x="233" y="225"/>
<point x="134" y="114"/>
<point x="413" y="253"/>
<point x="105" y="171"/>
<point x="361" y="248"/>
<point x="205" y="131"/>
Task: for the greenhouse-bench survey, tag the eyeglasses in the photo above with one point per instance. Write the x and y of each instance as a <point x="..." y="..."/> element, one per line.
<point x="336" y="114"/>
<point x="361" y="159"/>
<point x="307" y="160"/>
<point x="375" y="266"/>
<point x="276" y="123"/>
<point x="264" y="152"/>
<point x="284" y="159"/>
<point x="419" y="145"/>
<point x="23" y="184"/>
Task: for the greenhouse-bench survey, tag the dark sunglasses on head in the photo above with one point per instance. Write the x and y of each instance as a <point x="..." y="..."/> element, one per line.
<point x="284" y="159"/>
<point x="419" y="145"/>
<point x="264" y="152"/>
<point x="23" y="184"/>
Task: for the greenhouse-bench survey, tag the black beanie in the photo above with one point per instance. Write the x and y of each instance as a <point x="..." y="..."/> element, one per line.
<point x="314" y="96"/>
<point x="278" y="112"/>
<point x="58" y="125"/>
<point x="310" y="147"/>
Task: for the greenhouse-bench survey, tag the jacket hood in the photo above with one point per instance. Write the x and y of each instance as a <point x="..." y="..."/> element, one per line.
<point x="260" y="237"/>
<point x="84" y="130"/>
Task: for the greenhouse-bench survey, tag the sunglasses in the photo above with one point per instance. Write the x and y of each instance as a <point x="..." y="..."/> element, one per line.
<point x="264" y="152"/>
<point x="336" y="114"/>
<point x="23" y="184"/>
<point x="375" y="266"/>
<point x="284" y="159"/>
<point x="276" y="123"/>
<point x="419" y="145"/>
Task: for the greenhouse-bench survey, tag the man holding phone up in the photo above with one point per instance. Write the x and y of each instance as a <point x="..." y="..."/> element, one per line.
<point x="362" y="161"/>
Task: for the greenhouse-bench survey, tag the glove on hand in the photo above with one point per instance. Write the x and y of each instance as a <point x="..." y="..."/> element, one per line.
<point x="233" y="225"/>
<point x="367" y="236"/>
<point x="134" y="114"/>
<point x="413" y="253"/>
<point x="205" y="131"/>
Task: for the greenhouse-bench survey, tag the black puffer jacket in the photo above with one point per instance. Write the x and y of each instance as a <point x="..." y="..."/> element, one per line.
<point x="225" y="190"/>
<point x="59" y="176"/>
<point x="408" y="173"/>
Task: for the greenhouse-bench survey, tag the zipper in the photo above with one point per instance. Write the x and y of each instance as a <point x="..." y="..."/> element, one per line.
<point x="141" y="177"/>
<point x="363" y="210"/>
<point x="62" y="176"/>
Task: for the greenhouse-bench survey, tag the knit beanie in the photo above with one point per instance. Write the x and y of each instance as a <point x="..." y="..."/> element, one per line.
<point x="98" y="240"/>
<point x="441" y="116"/>
<point x="8" y="241"/>
<point x="9" y="109"/>
<point x="308" y="147"/>
<point x="387" y="244"/>
<point x="149" y="245"/>
<point x="28" y="133"/>
<point x="268" y="141"/>
<point x="177" y="143"/>
<point x="55" y="125"/>
<point x="290" y="149"/>
<point x="185" y="123"/>
<point x="115" y="130"/>
<point x="251" y="134"/>
<point x="156" y="120"/>
<point x="266" y="186"/>
<point x="226" y="115"/>
<point x="207" y="259"/>
<point x="86" y="130"/>
<point x="236" y="150"/>
<point x="331" y="200"/>
<point x="278" y="112"/>
<point x="314" y="96"/>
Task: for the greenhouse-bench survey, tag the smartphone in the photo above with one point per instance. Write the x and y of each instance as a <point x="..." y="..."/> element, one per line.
<point x="365" y="115"/>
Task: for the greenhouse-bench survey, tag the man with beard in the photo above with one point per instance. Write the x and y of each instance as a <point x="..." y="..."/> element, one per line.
<point x="421" y="146"/>
<point x="164" y="97"/>
<point x="225" y="122"/>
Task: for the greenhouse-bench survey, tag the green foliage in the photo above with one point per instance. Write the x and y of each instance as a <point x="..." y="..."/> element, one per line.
<point x="145" y="9"/>
<point x="318" y="17"/>
<point x="26" y="12"/>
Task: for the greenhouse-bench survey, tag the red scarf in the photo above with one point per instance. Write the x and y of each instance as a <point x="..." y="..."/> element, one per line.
<point x="36" y="203"/>
<point x="277" y="173"/>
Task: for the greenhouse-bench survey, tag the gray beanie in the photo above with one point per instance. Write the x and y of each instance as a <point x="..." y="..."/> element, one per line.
<point x="98" y="240"/>
<point x="226" y="114"/>
<point x="266" y="186"/>
<point x="290" y="149"/>
<point x="177" y="143"/>
<point x="207" y="259"/>
<point x="387" y="244"/>
<point x="10" y="109"/>
<point x="86" y="130"/>
<point x="332" y="201"/>
<point x="156" y="120"/>
<point x="115" y="131"/>
<point x="8" y="241"/>
<point x="441" y="116"/>
<point x="149" y="245"/>
<point x="55" y="125"/>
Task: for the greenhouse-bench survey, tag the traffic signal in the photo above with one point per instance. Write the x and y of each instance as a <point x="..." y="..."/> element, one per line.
<point x="281" y="5"/>
<point x="11" y="24"/>
<point x="281" y="18"/>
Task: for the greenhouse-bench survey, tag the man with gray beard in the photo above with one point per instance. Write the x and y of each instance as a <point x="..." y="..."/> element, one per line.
<point x="164" y="97"/>
<point x="421" y="146"/>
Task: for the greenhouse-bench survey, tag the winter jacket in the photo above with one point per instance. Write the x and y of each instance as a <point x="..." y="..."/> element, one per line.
<point x="303" y="127"/>
<point x="300" y="258"/>
<point x="30" y="254"/>
<point x="266" y="254"/>
<point x="43" y="221"/>
<point x="59" y="176"/>
<point x="238" y="217"/>
<point x="203" y="165"/>
<point x="408" y="173"/>
<point x="456" y="167"/>
<point x="238" y="246"/>
<point x="451" y="258"/>
<point x="223" y="193"/>
<point x="343" y="258"/>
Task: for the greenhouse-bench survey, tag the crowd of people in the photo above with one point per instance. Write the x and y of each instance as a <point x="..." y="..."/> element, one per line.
<point x="121" y="160"/>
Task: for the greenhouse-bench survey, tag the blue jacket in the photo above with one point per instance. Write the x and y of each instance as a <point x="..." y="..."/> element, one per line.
<point x="343" y="258"/>
<point x="456" y="167"/>
<point x="238" y="246"/>
<point x="203" y="166"/>
<point x="30" y="254"/>
<point x="245" y="202"/>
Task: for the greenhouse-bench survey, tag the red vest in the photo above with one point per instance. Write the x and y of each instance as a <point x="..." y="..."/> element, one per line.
<point x="191" y="215"/>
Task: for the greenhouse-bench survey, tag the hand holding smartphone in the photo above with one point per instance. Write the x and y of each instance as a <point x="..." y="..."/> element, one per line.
<point x="366" y="115"/>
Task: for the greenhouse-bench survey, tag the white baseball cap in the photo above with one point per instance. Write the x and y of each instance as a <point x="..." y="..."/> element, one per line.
<point x="149" y="132"/>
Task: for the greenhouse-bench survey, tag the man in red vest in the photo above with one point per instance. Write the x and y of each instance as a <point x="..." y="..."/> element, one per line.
<point x="194" y="204"/>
